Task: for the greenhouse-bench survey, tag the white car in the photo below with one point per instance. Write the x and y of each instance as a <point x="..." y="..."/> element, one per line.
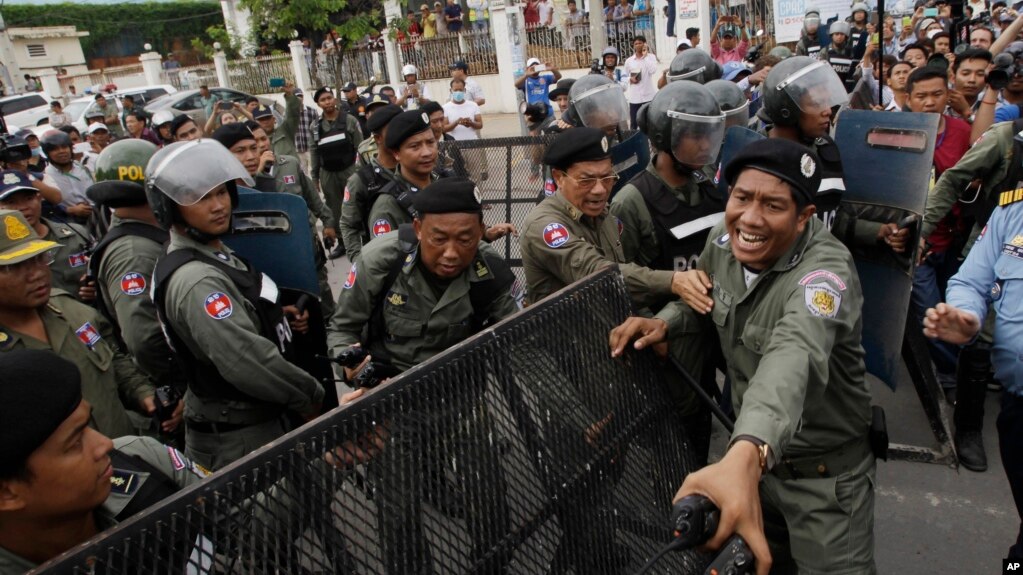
<point x="29" y="109"/>
<point x="76" y="108"/>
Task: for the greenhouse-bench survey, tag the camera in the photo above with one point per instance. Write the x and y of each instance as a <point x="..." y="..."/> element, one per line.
<point x="1004" y="67"/>
<point x="166" y="399"/>
<point x="596" y="67"/>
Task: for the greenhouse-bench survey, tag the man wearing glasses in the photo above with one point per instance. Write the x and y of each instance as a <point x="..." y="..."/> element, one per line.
<point x="34" y="317"/>
<point x="570" y="234"/>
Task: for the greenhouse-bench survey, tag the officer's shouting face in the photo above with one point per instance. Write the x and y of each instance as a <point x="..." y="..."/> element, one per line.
<point x="212" y="214"/>
<point x="418" y="154"/>
<point x="587" y="185"/>
<point x="247" y="152"/>
<point x="763" y="218"/>
<point x="68" y="475"/>
<point x="30" y="205"/>
<point x="448" y="242"/>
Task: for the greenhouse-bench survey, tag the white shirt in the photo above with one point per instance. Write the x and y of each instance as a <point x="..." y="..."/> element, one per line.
<point x="413" y="103"/>
<point x="645" y="90"/>
<point x="545" y="8"/>
<point x="473" y="91"/>
<point x="72" y="185"/>
<point x="467" y="109"/>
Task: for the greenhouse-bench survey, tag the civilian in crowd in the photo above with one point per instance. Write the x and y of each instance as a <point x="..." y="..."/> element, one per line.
<point x="183" y="128"/>
<point x="969" y="76"/>
<point x="429" y="20"/>
<point x="463" y="120"/>
<point x="453" y="16"/>
<point x="725" y="46"/>
<point x="693" y="35"/>
<point x="460" y="71"/>
<point x="915" y="55"/>
<point x="304" y="133"/>
<point x="129" y="106"/>
<point x="137" y="128"/>
<point x="981" y="37"/>
<point x="110" y="118"/>
<point x="438" y="13"/>
<point x="642" y="70"/>
<point x="207" y="100"/>
<point x="537" y="81"/>
<point x="57" y="117"/>
<point x="897" y="76"/>
<point x="72" y="178"/>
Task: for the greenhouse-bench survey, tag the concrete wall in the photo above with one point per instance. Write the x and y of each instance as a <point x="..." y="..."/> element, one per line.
<point x="60" y="53"/>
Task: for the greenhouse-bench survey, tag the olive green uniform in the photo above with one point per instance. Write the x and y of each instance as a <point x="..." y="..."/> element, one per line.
<point x="234" y="345"/>
<point x="289" y="177"/>
<point x="387" y="214"/>
<point x="561" y="245"/>
<point x="71" y="260"/>
<point x="80" y="334"/>
<point x="131" y="303"/>
<point x="791" y="339"/>
<point x="126" y="484"/>
<point x="368" y="150"/>
<point x="332" y="184"/>
<point x="282" y="141"/>
<point x="357" y="202"/>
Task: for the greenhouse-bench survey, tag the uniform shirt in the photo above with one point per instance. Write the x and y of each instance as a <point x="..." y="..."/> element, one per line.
<point x="791" y="340"/>
<point x="352" y="131"/>
<point x="561" y="245"/>
<point x="993" y="273"/>
<point x="355" y="203"/>
<point x="229" y="336"/>
<point x="647" y="68"/>
<point x="71" y="259"/>
<point x="125" y="278"/>
<point x="423" y="316"/>
<point x="358" y="110"/>
<point x="72" y="183"/>
<point x="283" y="138"/>
<point x="178" y="468"/>
<point x="79" y="334"/>
<point x="387" y="214"/>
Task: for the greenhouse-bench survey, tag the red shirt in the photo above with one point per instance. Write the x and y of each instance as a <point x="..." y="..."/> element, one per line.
<point x="949" y="148"/>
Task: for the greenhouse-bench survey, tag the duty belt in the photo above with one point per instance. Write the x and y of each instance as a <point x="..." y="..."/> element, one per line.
<point x="831" y="464"/>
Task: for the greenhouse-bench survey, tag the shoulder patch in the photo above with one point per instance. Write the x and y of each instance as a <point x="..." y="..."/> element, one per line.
<point x="124" y="482"/>
<point x="555" y="235"/>
<point x="133" y="283"/>
<point x="350" y="280"/>
<point x="549" y="187"/>
<point x="88" y="335"/>
<point x="177" y="458"/>
<point x="825" y="275"/>
<point x="381" y="227"/>
<point x="822" y="300"/>
<point x="218" y="305"/>
<point x="347" y="196"/>
<point x="620" y="224"/>
<point x="1010" y="197"/>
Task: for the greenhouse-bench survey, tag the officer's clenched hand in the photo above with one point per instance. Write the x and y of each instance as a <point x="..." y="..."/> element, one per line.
<point x="733" y="485"/>
<point x="649" y="331"/>
<point x="86" y="289"/>
<point x="299" y="322"/>
<point x="894" y="237"/>
<point x="330" y="233"/>
<point x="693" y="287"/>
<point x="175" y="420"/>
<point x="951" y="324"/>
<point x="266" y="160"/>
<point x="498" y="231"/>
<point x="82" y="210"/>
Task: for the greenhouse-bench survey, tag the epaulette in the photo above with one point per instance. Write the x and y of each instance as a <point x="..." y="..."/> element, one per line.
<point x="1010" y="197"/>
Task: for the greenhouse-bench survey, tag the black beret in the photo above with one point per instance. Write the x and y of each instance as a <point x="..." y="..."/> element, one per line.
<point x="382" y="117"/>
<point x="117" y="194"/>
<point x="321" y="91"/>
<point x="576" y="145"/>
<point x="404" y="126"/>
<point x="785" y="159"/>
<point x="251" y="125"/>
<point x="449" y="195"/>
<point x="431" y="107"/>
<point x="179" y="121"/>
<point x="38" y="391"/>
<point x="231" y="134"/>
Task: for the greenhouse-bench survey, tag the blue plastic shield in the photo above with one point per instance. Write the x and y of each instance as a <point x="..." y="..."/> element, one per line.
<point x="736" y="138"/>
<point x="272" y="231"/>
<point x="887" y="169"/>
<point x="630" y="157"/>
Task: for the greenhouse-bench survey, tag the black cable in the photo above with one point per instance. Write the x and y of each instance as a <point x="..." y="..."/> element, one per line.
<point x="653" y="560"/>
<point x="714" y="407"/>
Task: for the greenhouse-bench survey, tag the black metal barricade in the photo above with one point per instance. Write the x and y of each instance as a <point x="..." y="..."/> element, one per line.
<point x="525" y="449"/>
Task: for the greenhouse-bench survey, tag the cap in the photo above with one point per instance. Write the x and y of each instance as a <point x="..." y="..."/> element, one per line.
<point x="424" y="7"/>
<point x="564" y="85"/>
<point x="348" y="87"/>
<point x="532" y="61"/>
<point x="449" y="195"/>
<point x="38" y="391"/>
<point x="231" y="134"/>
<point x="13" y="182"/>
<point x="321" y="91"/>
<point x="731" y="70"/>
<point x="377" y="101"/>
<point x="382" y="117"/>
<point x="404" y="126"/>
<point x="18" y="241"/>
<point x="923" y="24"/>
<point x="298" y="92"/>
<point x="179" y="121"/>
<point x="576" y="145"/>
<point x="458" y="65"/>
<point x="262" y="112"/>
<point x="96" y="127"/>
<point x="792" y="162"/>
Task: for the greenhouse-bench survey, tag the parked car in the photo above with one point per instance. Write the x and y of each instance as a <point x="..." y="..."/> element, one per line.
<point x="26" y="109"/>
<point x="77" y="107"/>
<point x="187" y="102"/>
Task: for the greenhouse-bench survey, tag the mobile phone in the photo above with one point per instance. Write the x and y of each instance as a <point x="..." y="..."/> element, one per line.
<point x="874" y="38"/>
<point x="226" y="106"/>
<point x="540" y="68"/>
<point x="930" y="12"/>
<point x="907" y="21"/>
<point x="276" y="82"/>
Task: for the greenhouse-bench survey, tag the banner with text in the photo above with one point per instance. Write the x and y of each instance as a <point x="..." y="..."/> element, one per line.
<point x="788" y="16"/>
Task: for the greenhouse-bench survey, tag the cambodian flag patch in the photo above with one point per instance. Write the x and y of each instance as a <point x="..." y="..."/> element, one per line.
<point x="88" y="335"/>
<point x="621" y="226"/>
<point x="218" y="305"/>
<point x="549" y="187"/>
<point x="350" y="280"/>
<point x="347" y="196"/>
<point x="133" y="283"/>
<point x="381" y="227"/>
<point x="289" y="179"/>
<point x="77" y="260"/>
<point x="555" y="235"/>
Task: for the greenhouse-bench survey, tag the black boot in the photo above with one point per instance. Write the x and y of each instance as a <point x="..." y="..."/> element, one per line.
<point x="971" y="386"/>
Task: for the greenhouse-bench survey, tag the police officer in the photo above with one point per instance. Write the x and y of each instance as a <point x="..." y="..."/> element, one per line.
<point x="355" y="105"/>
<point x="282" y="138"/>
<point x="839" y="54"/>
<point x="63" y="481"/>
<point x="34" y="317"/>
<point x="274" y="173"/>
<point x="694" y="65"/>
<point x="338" y="137"/>
<point x="369" y="179"/>
<point x="221" y="316"/>
<point x="597" y="102"/>
<point x="809" y="39"/>
<point x="570" y="235"/>
<point x="991" y="274"/>
<point x="785" y="301"/>
<point x="368" y="147"/>
<point x="732" y="100"/>
<point x="412" y="294"/>
<point x="71" y="255"/>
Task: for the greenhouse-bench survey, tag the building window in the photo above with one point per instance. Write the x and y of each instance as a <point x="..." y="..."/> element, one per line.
<point x="36" y="51"/>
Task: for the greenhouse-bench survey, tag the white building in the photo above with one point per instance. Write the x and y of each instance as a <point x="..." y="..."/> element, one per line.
<point x="48" y="47"/>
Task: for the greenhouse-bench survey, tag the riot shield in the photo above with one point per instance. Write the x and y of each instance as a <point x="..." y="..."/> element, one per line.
<point x="887" y="165"/>
<point x="630" y="157"/>
<point x="736" y="138"/>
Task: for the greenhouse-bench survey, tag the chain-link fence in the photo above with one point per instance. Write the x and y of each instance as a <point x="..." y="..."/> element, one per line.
<point x="525" y="449"/>
<point x="253" y="75"/>
<point x="433" y="56"/>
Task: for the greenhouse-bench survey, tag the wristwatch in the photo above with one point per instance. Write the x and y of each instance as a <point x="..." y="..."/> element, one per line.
<point x="763" y="450"/>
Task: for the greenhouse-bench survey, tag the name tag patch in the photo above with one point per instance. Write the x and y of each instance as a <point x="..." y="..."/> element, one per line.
<point x="77" y="260"/>
<point x="1014" y="248"/>
<point x="88" y="335"/>
<point x="290" y="179"/>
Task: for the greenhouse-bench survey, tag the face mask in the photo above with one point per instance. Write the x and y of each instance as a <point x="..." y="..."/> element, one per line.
<point x="457" y="96"/>
<point x="37" y="152"/>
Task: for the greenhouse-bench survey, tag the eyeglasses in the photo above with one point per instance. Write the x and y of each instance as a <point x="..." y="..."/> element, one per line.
<point x="587" y="184"/>
<point x="44" y="259"/>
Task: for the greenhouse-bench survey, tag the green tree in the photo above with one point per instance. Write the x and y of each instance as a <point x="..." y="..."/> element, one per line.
<point x="229" y="44"/>
<point x="278" y="19"/>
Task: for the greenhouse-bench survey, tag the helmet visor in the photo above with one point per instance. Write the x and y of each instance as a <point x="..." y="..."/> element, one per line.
<point x="737" y="117"/>
<point x="695" y="140"/>
<point x="604" y="108"/>
<point x="697" y="75"/>
<point x="185" y="172"/>
<point x="815" y="88"/>
<point x="812" y="22"/>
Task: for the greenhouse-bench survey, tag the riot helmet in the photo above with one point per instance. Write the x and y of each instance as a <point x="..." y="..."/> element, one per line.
<point x="811" y="20"/>
<point x="780" y="52"/>
<point x="732" y="100"/>
<point x="15" y="149"/>
<point x="124" y="160"/>
<point x="53" y="139"/>
<point x="800" y="84"/>
<point x="182" y="173"/>
<point x="694" y="64"/>
<point x="609" y="51"/>
<point x="860" y="7"/>
<point x="839" y="27"/>
<point x="684" y="120"/>
<point x="600" y="103"/>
